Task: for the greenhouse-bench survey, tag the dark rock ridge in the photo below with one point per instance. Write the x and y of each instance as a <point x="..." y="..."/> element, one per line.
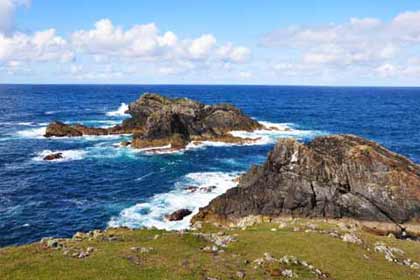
<point x="333" y="176"/>
<point x="158" y="121"/>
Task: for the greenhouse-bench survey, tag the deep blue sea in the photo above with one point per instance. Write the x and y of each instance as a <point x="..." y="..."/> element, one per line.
<point x="99" y="184"/>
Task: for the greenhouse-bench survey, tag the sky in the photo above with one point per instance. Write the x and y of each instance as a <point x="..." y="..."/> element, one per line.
<point x="318" y="42"/>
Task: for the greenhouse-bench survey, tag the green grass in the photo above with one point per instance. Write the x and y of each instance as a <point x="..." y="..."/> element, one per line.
<point x="179" y="256"/>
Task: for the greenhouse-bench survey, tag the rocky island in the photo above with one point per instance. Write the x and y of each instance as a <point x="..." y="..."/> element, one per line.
<point x="338" y="176"/>
<point x="157" y="121"/>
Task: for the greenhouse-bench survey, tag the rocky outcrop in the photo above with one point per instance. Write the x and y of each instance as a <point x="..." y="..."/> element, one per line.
<point x="179" y="121"/>
<point x="59" y="129"/>
<point x="159" y="121"/>
<point x="178" y="215"/>
<point x="333" y="176"/>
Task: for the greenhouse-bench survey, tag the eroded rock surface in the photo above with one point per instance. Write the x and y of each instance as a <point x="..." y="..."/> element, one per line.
<point x="158" y="121"/>
<point x="333" y="176"/>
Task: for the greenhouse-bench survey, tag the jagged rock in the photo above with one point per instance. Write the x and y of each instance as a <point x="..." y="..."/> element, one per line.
<point x="178" y="121"/>
<point x="158" y="121"/>
<point x="178" y="215"/>
<point x="53" y="156"/>
<point x="332" y="176"/>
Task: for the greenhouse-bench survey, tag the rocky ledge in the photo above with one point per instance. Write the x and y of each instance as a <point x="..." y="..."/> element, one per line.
<point x="339" y="176"/>
<point x="158" y="121"/>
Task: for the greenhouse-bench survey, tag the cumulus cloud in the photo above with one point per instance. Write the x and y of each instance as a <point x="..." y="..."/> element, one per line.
<point x="147" y="42"/>
<point x="362" y="44"/>
<point x="39" y="47"/>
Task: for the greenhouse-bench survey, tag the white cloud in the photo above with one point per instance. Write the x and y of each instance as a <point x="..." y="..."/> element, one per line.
<point x="231" y="53"/>
<point x="359" y="47"/>
<point x="201" y="47"/>
<point x="7" y="13"/>
<point x="245" y="75"/>
<point x="147" y="43"/>
<point x="41" y="46"/>
<point x="386" y="70"/>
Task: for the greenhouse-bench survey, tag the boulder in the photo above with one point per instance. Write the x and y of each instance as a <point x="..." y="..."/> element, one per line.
<point x="333" y="176"/>
<point x="53" y="156"/>
<point x="178" y="215"/>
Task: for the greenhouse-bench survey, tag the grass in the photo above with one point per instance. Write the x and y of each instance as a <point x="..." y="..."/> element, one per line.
<point x="180" y="256"/>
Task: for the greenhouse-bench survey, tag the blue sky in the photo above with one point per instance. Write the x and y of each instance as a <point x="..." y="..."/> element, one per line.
<point x="210" y="42"/>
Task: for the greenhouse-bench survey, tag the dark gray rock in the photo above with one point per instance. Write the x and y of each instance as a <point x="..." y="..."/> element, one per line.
<point x="158" y="121"/>
<point x="333" y="176"/>
<point x="178" y="215"/>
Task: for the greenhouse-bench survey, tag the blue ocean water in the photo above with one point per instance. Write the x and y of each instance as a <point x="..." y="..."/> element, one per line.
<point x="99" y="184"/>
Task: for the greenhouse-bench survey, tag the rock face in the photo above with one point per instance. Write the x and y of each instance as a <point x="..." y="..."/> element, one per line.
<point x="178" y="215"/>
<point x="159" y="121"/>
<point x="333" y="176"/>
<point x="179" y="121"/>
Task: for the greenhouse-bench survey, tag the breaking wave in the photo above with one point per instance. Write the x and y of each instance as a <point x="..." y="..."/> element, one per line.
<point x="152" y="212"/>
<point x="68" y="155"/>
<point x="120" y="112"/>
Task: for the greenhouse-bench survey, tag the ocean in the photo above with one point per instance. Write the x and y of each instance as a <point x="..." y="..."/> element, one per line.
<point x="99" y="184"/>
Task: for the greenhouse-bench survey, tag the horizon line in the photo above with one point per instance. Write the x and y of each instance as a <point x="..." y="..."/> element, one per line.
<point x="203" y="84"/>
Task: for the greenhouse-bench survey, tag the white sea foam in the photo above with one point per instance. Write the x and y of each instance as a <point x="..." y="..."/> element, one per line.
<point x="120" y="112"/>
<point x="68" y="155"/>
<point x="274" y="131"/>
<point x="37" y="132"/>
<point x="152" y="213"/>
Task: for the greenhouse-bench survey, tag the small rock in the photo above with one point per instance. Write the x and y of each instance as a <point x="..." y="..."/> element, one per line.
<point x="287" y="273"/>
<point x="144" y="250"/>
<point x="82" y="255"/>
<point x="415" y="265"/>
<point x="240" y="274"/>
<point x="125" y="143"/>
<point x="90" y="250"/>
<point x="351" y="238"/>
<point x="53" y="156"/>
<point x="273" y="229"/>
<point x="79" y="236"/>
<point x="178" y="215"/>
<point x="191" y="189"/>
<point x="282" y="225"/>
<point x="156" y="237"/>
<point x="268" y="257"/>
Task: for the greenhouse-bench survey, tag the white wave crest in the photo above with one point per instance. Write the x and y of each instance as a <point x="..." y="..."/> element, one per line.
<point x="33" y="132"/>
<point x="68" y="155"/>
<point x="152" y="213"/>
<point x="274" y="131"/>
<point x="120" y="112"/>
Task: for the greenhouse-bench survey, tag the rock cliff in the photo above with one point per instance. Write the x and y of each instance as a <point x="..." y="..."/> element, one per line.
<point x="333" y="176"/>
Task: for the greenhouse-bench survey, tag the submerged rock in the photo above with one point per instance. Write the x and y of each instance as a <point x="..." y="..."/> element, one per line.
<point x="53" y="156"/>
<point x="333" y="176"/>
<point x="178" y="215"/>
